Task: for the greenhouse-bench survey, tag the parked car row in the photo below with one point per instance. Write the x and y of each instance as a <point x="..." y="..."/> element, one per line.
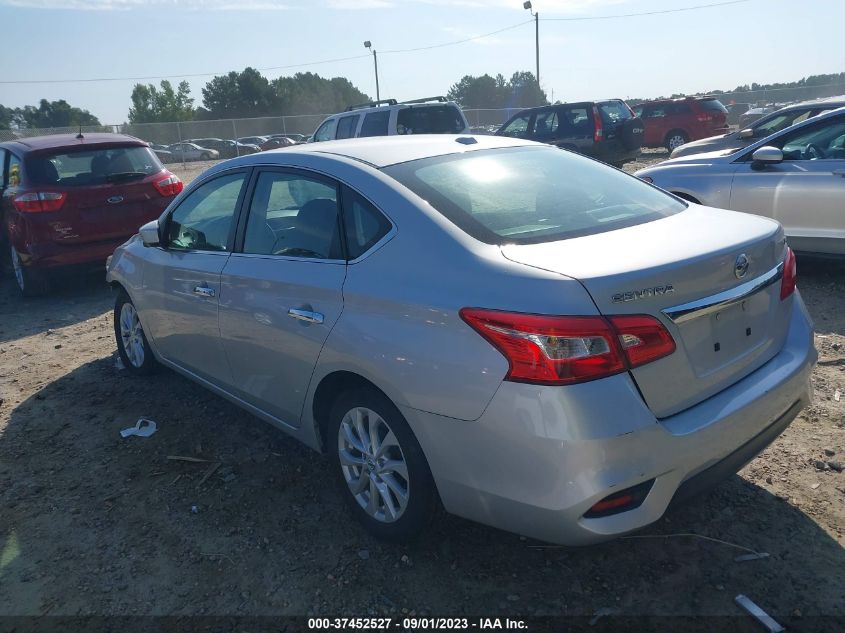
<point x="218" y="148"/>
<point x="317" y="288"/>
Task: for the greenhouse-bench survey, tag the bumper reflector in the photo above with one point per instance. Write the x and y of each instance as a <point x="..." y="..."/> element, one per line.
<point x="621" y="501"/>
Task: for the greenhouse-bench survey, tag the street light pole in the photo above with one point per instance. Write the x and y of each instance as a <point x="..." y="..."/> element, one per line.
<point x="369" y="44"/>
<point x="527" y="5"/>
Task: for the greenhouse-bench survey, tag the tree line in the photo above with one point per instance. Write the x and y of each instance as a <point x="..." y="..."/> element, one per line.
<point x="248" y="93"/>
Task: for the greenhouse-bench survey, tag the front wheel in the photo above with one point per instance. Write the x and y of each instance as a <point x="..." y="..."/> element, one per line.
<point x="205" y="157"/>
<point x="132" y="343"/>
<point x="675" y="139"/>
<point x="383" y="475"/>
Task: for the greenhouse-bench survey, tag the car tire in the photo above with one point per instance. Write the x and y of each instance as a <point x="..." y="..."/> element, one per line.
<point x="205" y="156"/>
<point x="29" y="282"/>
<point x="389" y="488"/>
<point x="132" y="344"/>
<point x="675" y="139"/>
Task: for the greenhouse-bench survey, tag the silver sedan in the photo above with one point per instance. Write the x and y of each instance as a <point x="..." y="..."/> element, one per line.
<point x="532" y="339"/>
<point x="796" y="177"/>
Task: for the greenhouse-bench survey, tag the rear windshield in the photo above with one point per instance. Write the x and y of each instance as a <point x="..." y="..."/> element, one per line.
<point x="613" y="111"/>
<point x="528" y="195"/>
<point x="712" y="104"/>
<point x="445" y="119"/>
<point x="83" y="167"/>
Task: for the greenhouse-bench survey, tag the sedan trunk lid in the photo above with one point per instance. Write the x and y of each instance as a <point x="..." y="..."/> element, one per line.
<point x="712" y="277"/>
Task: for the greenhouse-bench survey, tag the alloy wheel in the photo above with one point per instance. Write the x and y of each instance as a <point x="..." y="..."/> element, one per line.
<point x="676" y="141"/>
<point x="373" y="464"/>
<point x="132" y="335"/>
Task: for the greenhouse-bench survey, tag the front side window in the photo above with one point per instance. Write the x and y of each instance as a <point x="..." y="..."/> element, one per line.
<point x="435" y="119"/>
<point x="364" y="225"/>
<point x="346" y="126"/>
<point x="203" y="221"/>
<point x="825" y="140"/>
<point x="293" y="215"/>
<point x="527" y="195"/>
<point x="80" y="168"/>
<point x="518" y="128"/>
<point x="326" y="131"/>
<point x="375" y="123"/>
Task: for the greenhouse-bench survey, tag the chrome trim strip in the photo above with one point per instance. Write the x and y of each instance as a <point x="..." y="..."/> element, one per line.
<point x="700" y="307"/>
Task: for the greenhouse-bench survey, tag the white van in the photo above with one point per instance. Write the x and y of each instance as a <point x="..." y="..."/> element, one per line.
<point x="434" y="115"/>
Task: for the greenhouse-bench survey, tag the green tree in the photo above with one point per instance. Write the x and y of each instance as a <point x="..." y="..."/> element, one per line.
<point x="478" y="92"/>
<point x="52" y="114"/>
<point x="244" y="94"/>
<point x="163" y="104"/>
<point x="308" y="93"/>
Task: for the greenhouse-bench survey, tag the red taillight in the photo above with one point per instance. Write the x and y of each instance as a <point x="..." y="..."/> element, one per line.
<point x="643" y="338"/>
<point x="561" y="350"/>
<point x="39" y="201"/>
<point x="599" y="131"/>
<point x="790" y="275"/>
<point x="169" y="186"/>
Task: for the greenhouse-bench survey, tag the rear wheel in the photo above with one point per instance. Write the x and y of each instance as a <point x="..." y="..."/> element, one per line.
<point x="132" y="343"/>
<point x="675" y="139"/>
<point x="30" y="283"/>
<point x="383" y="475"/>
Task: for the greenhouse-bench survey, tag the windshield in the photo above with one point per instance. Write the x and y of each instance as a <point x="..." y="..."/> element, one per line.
<point x="85" y="167"/>
<point x="527" y="195"/>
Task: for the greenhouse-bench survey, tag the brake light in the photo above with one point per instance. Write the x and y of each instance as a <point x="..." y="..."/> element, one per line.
<point x="39" y="201"/>
<point x="643" y="338"/>
<point x="790" y="275"/>
<point x="599" y="131"/>
<point x="169" y="186"/>
<point x="562" y="350"/>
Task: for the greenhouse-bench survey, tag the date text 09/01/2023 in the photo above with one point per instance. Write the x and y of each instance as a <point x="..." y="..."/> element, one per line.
<point x="416" y="624"/>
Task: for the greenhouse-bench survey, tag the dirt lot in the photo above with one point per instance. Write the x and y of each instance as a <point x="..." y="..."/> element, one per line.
<point x="94" y="524"/>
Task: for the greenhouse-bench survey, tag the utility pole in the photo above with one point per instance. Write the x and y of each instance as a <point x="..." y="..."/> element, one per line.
<point x="527" y="5"/>
<point x="369" y="44"/>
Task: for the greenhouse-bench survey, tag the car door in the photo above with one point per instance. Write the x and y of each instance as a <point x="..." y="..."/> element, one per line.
<point x="182" y="277"/>
<point x="281" y="293"/>
<point x="805" y="192"/>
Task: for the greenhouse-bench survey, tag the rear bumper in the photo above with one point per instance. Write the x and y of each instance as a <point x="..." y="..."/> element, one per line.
<point x="53" y="255"/>
<point x="540" y="457"/>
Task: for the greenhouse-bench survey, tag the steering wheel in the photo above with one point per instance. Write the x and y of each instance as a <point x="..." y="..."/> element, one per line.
<point x="813" y="151"/>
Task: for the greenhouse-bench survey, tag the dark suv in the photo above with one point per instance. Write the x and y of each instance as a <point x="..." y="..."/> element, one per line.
<point x="71" y="200"/>
<point x="607" y="130"/>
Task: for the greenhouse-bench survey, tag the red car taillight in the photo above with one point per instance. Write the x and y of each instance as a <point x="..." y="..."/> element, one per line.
<point x="39" y="201"/>
<point x="599" y="131"/>
<point x="169" y="186"/>
<point x="562" y="350"/>
<point x="790" y="275"/>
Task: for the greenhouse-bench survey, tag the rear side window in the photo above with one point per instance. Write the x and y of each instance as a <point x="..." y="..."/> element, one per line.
<point x="527" y="195"/>
<point x="614" y="111"/>
<point x="445" y="119"/>
<point x="546" y="123"/>
<point x="13" y="175"/>
<point x="346" y="126"/>
<point x="363" y="223"/>
<point x="575" y="121"/>
<point x="713" y="105"/>
<point x="678" y="108"/>
<point x="375" y="123"/>
<point x="326" y="131"/>
<point x="83" y="167"/>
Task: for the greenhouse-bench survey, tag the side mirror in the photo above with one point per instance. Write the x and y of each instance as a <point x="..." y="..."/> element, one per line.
<point x="150" y="234"/>
<point x="767" y="155"/>
<point x="746" y="133"/>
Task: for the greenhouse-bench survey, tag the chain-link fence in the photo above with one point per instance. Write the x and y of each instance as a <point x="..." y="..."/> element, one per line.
<point x="481" y="120"/>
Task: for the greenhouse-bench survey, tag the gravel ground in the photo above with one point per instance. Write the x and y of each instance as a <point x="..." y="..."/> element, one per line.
<point x="95" y="524"/>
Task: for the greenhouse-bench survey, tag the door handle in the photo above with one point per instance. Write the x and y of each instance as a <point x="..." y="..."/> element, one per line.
<point x="839" y="172"/>
<point x="305" y="315"/>
<point x="204" y="291"/>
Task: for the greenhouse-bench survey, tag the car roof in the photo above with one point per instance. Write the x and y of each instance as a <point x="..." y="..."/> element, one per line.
<point x="62" y="141"/>
<point x="381" y="151"/>
<point x="823" y="101"/>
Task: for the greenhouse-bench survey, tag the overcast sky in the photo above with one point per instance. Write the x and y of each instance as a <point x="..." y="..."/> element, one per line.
<point x="651" y="55"/>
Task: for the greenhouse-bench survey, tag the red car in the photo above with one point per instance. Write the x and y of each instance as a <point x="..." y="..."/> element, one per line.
<point x="670" y="123"/>
<point x="71" y="200"/>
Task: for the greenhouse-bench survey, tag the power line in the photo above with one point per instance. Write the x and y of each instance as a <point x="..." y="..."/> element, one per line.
<point x="385" y="52"/>
<point x="635" y="15"/>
